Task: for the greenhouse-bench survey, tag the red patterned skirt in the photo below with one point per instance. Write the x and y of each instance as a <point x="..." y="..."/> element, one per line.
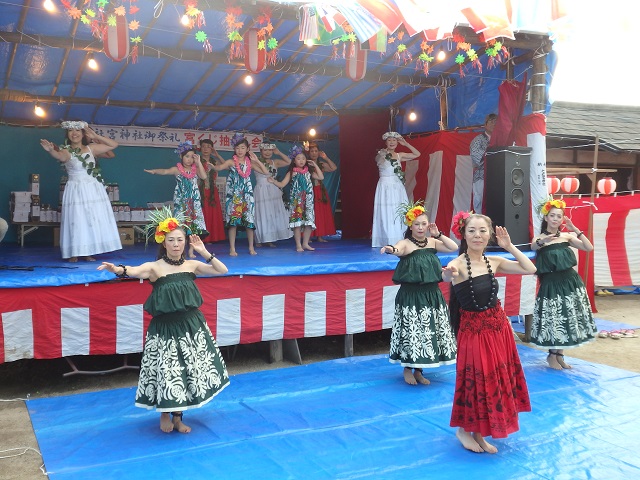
<point x="490" y="386"/>
<point x="213" y="215"/>
<point x="325" y="225"/>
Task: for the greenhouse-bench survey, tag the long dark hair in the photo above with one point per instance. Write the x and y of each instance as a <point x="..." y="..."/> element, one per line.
<point x="85" y="140"/>
<point x="162" y="251"/>
<point x="454" y="304"/>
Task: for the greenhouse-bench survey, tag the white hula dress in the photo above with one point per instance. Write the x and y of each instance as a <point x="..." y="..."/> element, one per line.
<point x="272" y="219"/>
<point x="388" y="228"/>
<point x="87" y="225"/>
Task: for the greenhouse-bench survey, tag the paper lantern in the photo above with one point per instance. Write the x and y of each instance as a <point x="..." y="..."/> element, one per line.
<point x="116" y="40"/>
<point x="255" y="60"/>
<point x="606" y="185"/>
<point x="553" y="185"/>
<point x="357" y="63"/>
<point x="570" y="184"/>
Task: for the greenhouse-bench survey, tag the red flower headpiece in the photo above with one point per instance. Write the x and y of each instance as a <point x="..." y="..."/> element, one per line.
<point x="458" y="222"/>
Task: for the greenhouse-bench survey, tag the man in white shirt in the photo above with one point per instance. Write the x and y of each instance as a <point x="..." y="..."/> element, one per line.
<point x="477" y="150"/>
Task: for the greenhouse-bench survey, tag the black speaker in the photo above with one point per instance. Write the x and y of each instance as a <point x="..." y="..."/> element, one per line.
<point x="507" y="197"/>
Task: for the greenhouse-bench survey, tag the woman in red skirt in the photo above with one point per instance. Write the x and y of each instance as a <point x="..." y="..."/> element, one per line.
<point x="490" y="386"/>
<point x="325" y="225"/>
<point x="211" y="207"/>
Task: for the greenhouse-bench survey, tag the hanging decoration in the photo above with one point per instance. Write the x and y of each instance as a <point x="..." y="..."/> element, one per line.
<point x="425" y="57"/>
<point x="255" y="58"/>
<point x="402" y="55"/>
<point x="570" y="184"/>
<point x="267" y="43"/>
<point x="466" y="53"/>
<point x="233" y="25"/>
<point x="195" y="18"/>
<point x="553" y="185"/>
<point x="356" y="63"/>
<point x="606" y="185"/>
<point x="496" y="52"/>
<point x="348" y="40"/>
<point x="108" y="23"/>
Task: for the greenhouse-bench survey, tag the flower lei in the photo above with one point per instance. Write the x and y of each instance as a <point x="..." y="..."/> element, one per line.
<point x="247" y="165"/>
<point x="186" y="174"/>
<point x="545" y="207"/>
<point x="91" y="167"/>
<point x="301" y="171"/>
<point x="458" y="222"/>
<point x="397" y="168"/>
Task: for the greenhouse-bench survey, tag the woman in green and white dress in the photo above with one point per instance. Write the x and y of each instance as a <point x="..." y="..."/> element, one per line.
<point x="181" y="366"/>
<point x="562" y="315"/>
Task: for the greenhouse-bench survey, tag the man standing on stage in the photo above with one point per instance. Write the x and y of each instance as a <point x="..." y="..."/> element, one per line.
<point x="477" y="149"/>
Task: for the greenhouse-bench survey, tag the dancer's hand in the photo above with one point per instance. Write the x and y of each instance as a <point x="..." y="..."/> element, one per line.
<point x="503" y="238"/>
<point x="433" y="229"/>
<point x="449" y="273"/>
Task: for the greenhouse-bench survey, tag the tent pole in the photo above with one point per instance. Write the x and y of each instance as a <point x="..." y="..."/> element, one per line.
<point x="593" y="191"/>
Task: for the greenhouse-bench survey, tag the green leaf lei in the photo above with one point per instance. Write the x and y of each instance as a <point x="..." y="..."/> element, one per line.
<point x="397" y="169"/>
<point x="90" y="166"/>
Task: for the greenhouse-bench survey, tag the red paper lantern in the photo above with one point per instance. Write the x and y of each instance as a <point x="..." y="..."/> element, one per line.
<point x="570" y="184"/>
<point x="606" y="185"/>
<point x="553" y="185"/>
<point x="116" y="40"/>
<point x="254" y="59"/>
<point x="357" y="63"/>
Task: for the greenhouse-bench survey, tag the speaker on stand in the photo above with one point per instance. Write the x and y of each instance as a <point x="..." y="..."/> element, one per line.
<point x="507" y="193"/>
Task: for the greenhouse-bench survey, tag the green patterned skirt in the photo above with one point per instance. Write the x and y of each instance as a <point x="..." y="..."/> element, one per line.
<point x="182" y="367"/>
<point x="562" y="315"/>
<point x="421" y="336"/>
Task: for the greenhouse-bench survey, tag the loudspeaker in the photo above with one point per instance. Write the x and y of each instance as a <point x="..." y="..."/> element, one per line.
<point x="507" y="197"/>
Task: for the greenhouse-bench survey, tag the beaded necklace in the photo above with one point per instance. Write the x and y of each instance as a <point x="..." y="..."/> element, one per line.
<point x="493" y="286"/>
<point x="557" y="234"/>
<point x="245" y="170"/>
<point x="184" y="173"/>
<point x="173" y="262"/>
<point x="419" y="243"/>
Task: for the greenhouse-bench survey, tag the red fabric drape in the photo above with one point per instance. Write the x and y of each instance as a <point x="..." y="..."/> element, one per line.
<point x="510" y="108"/>
<point x="360" y="139"/>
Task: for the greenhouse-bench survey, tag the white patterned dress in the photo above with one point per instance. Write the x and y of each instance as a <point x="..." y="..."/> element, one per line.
<point x="87" y="226"/>
<point x="272" y="219"/>
<point x="388" y="228"/>
<point x="181" y="366"/>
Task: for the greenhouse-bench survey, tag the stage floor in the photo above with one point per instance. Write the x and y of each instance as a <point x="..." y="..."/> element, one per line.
<point x="349" y="418"/>
<point x="35" y="266"/>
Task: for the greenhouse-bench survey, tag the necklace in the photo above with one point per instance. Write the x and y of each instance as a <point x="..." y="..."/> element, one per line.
<point x="301" y="171"/>
<point x="493" y="286"/>
<point x="173" y="262"/>
<point x="557" y="234"/>
<point x="184" y="173"/>
<point x="419" y="243"/>
<point x="245" y="170"/>
<point x="273" y="171"/>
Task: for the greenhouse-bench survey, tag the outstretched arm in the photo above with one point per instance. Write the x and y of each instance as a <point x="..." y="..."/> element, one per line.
<point x="163" y="171"/>
<point x="60" y="155"/>
<point x="143" y="271"/>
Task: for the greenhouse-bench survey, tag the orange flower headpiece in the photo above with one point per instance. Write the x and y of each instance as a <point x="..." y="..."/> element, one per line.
<point x="458" y="223"/>
<point x="408" y="212"/>
<point x="164" y="221"/>
<point x="550" y="203"/>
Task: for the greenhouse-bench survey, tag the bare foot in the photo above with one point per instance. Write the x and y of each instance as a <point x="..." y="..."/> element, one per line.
<point x="484" y="445"/>
<point x="322" y="240"/>
<point x="467" y="441"/>
<point x="308" y="247"/>
<point x="252" y="252"/>
<point x="417" y="374"/>
<point x="181" y="427"/>
<point x="271" y="244"/>
<point x="233" y="253"/>
<point x="561" y="362"/>
<point x="166" y="425"/>
<point x="90" y="259"/>
<point x="73" y="260"/>
<point x="408" y="376"/>
<point x="552" y="360"/>
<point x="299" y="249"/>
<point x="258" y="245"/>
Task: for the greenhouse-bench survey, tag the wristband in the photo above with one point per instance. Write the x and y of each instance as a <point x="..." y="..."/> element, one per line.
<point x="393" y="251"/>
<point x="438" y="236"/>
<point x="578" y="234"/>
<point x="210" y="259"/>
<point x="124" y="272"/>
<point x="539" y="243"/>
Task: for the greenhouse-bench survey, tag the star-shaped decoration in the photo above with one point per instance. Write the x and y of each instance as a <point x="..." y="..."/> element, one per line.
<point x="261" y="45"/>
<point x="272" y="43"/>
<point x="111" y="20"/>
<point x="459" y="59"/>
<point x="498" y="45"/>
<point x="102" y="3"/>
<point x="74" y="13"/>
<point x="352" y="37"/>
<point x="401" y="48"/>
<point x="137" y="39"/>
<point x="120" y="11"/>
<point x="84" y="19"/>
<point x="90" y="13"/>
<point x="471" y="53"/>
<point x="133" y="10"/>
<point x="201" y="36"/>
<point x="134" y="25"/>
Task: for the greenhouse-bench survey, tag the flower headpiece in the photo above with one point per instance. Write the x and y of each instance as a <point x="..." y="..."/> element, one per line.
<point x="184" y="147"/>
<point x="305" y="145"/>
<point x="391" y="135"/>
<point x="164" y="221"/>
<point x="546" y="205"/>
<point x="74" y="125"/>
<point x="408" y="212"/>
<point x="295" y="151"/>
<point x="236" y="139"/>
<point x="267" y="146"/>
<point x="457" y="223"/>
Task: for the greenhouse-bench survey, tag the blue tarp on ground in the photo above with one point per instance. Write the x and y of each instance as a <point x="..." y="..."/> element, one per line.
<point x="348" y="418"/>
